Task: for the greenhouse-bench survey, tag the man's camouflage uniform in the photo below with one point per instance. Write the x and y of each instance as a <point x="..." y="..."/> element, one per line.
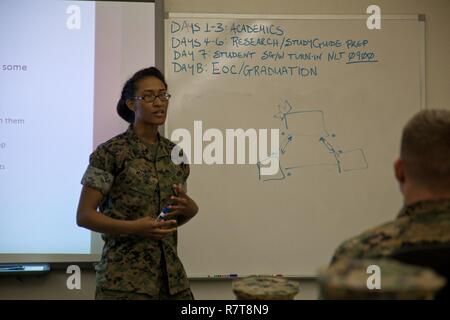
<point x="136" y="181"/>
<point x="418" y="224"/>
<point x="349" y="279"/>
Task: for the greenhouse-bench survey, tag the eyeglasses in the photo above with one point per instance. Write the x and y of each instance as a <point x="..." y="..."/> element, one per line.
<point x="149" y="98"/>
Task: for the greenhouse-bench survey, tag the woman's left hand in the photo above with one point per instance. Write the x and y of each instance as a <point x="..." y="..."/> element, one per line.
<point x="185" y="208"/>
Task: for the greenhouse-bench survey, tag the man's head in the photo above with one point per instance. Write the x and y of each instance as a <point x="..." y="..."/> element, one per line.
<point x="423" y="169"/>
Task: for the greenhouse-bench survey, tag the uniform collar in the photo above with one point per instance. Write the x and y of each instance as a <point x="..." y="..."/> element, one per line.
<point x="425" y="207"/>
<point x="140" y="149"/>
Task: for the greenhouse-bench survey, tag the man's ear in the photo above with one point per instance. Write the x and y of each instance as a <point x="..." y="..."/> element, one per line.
<point x="130" y="105"/>
<point x="399" y="170"/>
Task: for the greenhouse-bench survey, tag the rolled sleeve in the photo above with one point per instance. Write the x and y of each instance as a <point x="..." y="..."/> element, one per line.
<point x="99" y="174"/>
<point x="97" y="179"/>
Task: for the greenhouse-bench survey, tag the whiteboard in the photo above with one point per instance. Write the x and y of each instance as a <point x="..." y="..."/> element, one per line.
<point x="339" y="95"/>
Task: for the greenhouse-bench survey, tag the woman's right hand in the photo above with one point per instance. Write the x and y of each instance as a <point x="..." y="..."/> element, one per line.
<point x="150" y="228"/>
<point x="89" y="218"/>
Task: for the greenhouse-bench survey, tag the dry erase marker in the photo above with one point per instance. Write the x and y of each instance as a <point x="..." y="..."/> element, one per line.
<point x="163" y="214"/>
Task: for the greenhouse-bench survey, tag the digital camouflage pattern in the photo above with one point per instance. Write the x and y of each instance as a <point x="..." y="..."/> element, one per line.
<point x="421" y="223"/>
<point x="265" y="288"/>
<point x="136" y="182"/>
<point x="348" y="279"/>
<point x="105" y="294"/>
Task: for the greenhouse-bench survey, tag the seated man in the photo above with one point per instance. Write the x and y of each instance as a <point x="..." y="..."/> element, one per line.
<point x="423" y="173"/>
<point x="348" y="279"/>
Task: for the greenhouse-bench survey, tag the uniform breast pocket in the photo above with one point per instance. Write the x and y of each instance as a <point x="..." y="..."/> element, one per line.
<point x="177" y="173"/>
<point x="138" y="188"/>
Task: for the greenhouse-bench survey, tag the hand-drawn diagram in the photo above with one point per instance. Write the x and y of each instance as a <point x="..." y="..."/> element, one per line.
<point x="306" y="131"/>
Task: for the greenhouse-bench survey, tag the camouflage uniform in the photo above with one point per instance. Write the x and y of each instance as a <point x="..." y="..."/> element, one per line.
<point x="136" y="181"/>
<point x="265" y="288"/>
<point x="349" y="279"/>
<point x="421" y="223"/>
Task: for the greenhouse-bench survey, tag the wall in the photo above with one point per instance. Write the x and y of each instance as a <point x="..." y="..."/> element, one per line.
<point x="437" y="12"/>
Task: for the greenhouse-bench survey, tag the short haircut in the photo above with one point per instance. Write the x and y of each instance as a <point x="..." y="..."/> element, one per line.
<point x="425" y="149"/>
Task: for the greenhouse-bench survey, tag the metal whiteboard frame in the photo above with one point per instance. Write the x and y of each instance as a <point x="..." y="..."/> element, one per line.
<point x="422" y="72"/>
